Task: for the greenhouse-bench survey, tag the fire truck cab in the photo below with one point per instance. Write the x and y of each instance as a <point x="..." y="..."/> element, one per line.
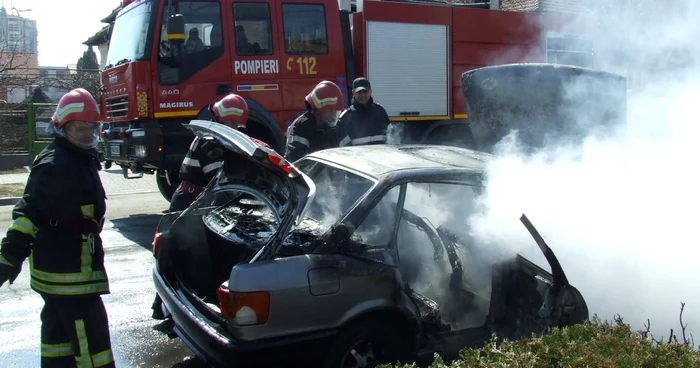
<point x="272" y="52"/>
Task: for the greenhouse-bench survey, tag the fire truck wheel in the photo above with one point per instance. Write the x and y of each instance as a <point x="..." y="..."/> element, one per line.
<point x="166" y="190"/>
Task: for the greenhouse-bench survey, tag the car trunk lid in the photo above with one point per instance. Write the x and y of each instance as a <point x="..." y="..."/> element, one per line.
<point x="288" y="197"/>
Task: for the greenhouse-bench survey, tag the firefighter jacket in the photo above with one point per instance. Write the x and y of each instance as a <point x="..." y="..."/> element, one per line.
<point x="58" y="221"/>
<point x="365" y="123"/>
<point x="306" y="136"/>
<point x="203" y="159"/>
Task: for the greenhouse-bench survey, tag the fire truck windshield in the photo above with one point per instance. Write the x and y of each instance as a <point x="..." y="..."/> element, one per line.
<point x="129" y="35"/>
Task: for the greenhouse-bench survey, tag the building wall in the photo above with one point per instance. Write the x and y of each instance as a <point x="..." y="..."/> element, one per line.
<point x="563" y="6"/>
<point x="519" y="5"/>
<point x="18" y="33"/>
<point x="23" y="71"/>
<point x="102" y="50"/>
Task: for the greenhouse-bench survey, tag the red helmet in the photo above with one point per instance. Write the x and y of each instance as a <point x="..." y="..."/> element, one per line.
<point x="326" y="96"/>
<point x="231" y="108"/>
<point x="77" y="104"/>
<point x="326" y="101"/>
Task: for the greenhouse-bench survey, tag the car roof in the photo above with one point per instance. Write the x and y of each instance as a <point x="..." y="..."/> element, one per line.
<point x="381" y="159"/>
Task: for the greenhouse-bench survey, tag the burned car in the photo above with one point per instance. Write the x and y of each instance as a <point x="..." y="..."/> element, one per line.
<point x="348" y="257"/>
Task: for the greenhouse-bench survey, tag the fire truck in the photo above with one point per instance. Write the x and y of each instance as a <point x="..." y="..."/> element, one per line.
<point x="273" y="52"/>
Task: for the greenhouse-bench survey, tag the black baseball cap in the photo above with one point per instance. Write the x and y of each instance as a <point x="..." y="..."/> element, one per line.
<point x="361" y="84"/>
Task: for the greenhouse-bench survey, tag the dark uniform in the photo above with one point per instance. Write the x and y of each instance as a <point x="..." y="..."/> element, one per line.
<point x="57" y="224"/>
<point x="365" y="123"/>
<point x="306" y="136"/>
<point x="203" y="159"/>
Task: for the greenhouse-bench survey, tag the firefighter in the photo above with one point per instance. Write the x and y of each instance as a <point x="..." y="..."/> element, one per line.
<point x="204" y="158"/>
<point x="317" y="128"/>
<point x="58" y="222"/>
<point x="205" y="155"/>
<point x="365" y="121"/>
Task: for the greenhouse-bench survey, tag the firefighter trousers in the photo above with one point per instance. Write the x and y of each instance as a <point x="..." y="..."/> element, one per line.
<point x="75" y="333"/>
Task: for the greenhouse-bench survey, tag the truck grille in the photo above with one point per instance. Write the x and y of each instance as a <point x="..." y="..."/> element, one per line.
<point x="117" y="107"/>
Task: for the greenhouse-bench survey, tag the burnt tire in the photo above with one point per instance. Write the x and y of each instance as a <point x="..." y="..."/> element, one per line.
<point x="374" y="341"/>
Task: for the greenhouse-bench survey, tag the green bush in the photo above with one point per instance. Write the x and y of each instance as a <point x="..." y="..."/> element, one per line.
<point x="593" y="344"/>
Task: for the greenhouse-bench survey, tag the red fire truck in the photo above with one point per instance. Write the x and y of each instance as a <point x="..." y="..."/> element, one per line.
<point x="273" y="52"/>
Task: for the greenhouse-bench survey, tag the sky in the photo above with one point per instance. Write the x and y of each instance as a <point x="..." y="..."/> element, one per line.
<point x="61" y="37"/>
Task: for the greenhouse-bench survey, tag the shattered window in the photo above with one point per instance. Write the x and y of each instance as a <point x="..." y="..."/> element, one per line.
<point x="239" y="217"/>
<point x="376" y="229"/>
<point x="438" y="259"/>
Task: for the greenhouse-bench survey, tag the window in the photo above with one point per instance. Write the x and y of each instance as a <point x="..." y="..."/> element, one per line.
<point x="129" y="35"/>
<point x="336" y="191"/>
<point x="203" y="40"/>
<point x="570" y="51"/>
<point x="377" y="228"/>
<point x="253" y="29"/>
<point x="304" y="29"/>
<point x="435" y="248"/>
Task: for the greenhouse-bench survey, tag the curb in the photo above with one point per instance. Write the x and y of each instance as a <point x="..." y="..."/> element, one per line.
<point x="9" y="201"/>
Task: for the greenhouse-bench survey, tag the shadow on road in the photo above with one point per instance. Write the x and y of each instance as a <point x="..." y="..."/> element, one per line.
<point x="138" y="228"/>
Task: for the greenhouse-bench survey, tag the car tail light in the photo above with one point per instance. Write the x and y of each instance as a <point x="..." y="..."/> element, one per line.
<point x="244" y="309"/>
<point x="280" y="162"/>
<point x="156" y="244"/>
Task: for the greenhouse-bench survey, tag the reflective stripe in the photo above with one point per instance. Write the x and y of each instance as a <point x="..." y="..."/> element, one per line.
<point x="345" y="141"/>
<point x="86" y="255"/>
<point x="4" y="260"/>
<point x="296" y="138"/>
<point x="212" y="166"/>
<point x="84" y="359"/>
<point x="25" y="226"/>
<point x="194" y="144"/>
<point x="69" y="289"/>
<point x="56" y="350"/>
<point x="374" y="138"/>
<point x="68" y="277"/>
<point x="88" y="210"/>
<point x="190" y="162"/>
<point x="103" y="358"/>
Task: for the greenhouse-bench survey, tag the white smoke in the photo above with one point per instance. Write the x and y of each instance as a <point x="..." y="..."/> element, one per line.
<point x="620" y="213"/>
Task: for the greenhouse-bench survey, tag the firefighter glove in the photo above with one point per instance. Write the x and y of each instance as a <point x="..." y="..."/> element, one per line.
<point x="9" y="272"/>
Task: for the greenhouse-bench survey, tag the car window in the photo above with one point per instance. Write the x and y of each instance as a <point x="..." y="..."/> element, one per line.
<point x="376" y="229"/>
<point x="336" y="191"/>
<point x="437" y="257"/>
<point x="238" y="217"/>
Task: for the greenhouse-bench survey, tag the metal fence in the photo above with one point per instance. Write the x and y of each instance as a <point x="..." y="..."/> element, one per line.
<point x="38" y="118"/>
<point x="13" y="128"/>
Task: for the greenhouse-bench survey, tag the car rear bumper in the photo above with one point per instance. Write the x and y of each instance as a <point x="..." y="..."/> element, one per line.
<point x="209" y="343"/>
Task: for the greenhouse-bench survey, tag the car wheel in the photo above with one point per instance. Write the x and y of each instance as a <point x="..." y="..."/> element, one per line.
<point x="368" y="344"/>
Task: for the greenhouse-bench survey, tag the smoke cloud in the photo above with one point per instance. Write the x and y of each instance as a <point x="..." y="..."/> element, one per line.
<point x="621" y="211"/>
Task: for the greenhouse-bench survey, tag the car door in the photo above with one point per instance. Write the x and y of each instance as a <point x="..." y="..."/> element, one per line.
<point x="532" y="300"/>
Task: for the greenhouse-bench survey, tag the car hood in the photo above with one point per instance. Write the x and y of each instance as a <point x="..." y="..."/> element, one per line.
<point x="255" y="168"/>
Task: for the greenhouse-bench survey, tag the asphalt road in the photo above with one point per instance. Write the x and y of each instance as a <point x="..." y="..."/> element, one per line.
<point x="127" y="236"/>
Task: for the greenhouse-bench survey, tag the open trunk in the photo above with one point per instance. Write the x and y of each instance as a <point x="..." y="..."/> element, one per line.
<point x="243" y="215"/>
<point x="545" y="103"/>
